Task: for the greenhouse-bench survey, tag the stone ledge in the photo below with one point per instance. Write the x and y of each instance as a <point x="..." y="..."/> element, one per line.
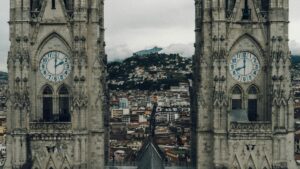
<point x="250" y="127"/>
<point x="49" y="126"/>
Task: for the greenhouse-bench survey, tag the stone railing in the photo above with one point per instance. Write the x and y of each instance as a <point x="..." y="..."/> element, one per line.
<point x="251" y="127"/>
<point x="50" y="126"/>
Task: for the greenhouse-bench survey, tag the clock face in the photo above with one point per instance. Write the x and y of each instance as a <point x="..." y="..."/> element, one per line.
<point x="244" y="67"/>
<point x="55" y="66"/>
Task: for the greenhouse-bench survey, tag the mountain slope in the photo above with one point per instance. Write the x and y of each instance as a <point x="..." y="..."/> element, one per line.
<point x="149" y="72"/>
<point x="3" y="77"/>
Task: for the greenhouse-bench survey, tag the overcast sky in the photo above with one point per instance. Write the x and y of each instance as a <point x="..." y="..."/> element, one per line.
<point x="133" y="25"/>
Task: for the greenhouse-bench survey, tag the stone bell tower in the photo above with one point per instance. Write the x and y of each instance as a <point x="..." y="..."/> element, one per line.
<point x="57" y="93"/>
<point x="243" y="100"/>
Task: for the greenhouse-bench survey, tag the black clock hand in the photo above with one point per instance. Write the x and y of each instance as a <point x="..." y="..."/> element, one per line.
<point x="60" y="63"/>
<point x="55" y="63"/>
<point x="238" y="69"/>
<point x="244" y="65"/>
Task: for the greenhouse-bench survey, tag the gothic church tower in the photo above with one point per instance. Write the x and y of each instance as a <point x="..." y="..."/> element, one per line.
<point x="244" y="104"/>
<point x="57" y="92"/>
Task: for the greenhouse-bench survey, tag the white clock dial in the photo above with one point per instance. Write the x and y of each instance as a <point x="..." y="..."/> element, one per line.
<point x="244" y="67"/>
<point x="55" y="66"/>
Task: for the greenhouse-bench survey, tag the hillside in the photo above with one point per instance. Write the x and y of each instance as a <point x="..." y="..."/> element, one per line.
<point x="3" y="77"/>
<point x="295" y="70"/>
<point x="149" y="72"/>
<point x="154" y="72"/>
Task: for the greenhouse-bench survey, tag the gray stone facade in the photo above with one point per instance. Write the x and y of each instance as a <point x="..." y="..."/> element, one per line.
<point x="76" y="29"/>
<point x="223" y="29"/>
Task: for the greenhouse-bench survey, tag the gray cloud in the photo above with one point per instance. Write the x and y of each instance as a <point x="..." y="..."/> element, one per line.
<point x="185" y="50"/>
<point x="133" y="25"/>
<point x="4" y="34"/>
<point x="143" y="24"/>
<point x="118" y="52"/>
<point x="123" y="51"/>
<point x="295" y="47"/>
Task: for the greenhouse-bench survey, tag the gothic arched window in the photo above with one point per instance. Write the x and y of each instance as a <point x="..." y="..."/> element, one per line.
<point x="64" y="104"/>
<point x="47" y="104"/>
<point x="252" y="103"/>
<point x="53" y="4"/>
<point x="236" y="98"/>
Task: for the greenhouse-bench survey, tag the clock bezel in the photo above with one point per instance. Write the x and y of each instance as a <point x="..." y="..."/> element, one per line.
<point x="69" y="70"/>
<point x="248" y="75"/>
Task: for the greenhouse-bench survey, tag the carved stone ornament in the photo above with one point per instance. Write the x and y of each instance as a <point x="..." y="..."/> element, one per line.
<point x="21" y="100"/>
<point x="80" y="101"/>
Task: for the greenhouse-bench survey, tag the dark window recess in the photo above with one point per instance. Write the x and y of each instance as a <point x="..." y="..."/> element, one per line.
<point x="64" y="105"/>
<point x="66" y="4"/>
<point x="253" y="90"/>
<point x="47" y="104"/>
<point x="53" y="4"/>
<point x="265" y="5"/>
<point x="252" y="110"/>
<point x="47" y="109"/>
<point x="236" y="104"/>
<point x="237" y="90"/>
<point x="246" y="12"/>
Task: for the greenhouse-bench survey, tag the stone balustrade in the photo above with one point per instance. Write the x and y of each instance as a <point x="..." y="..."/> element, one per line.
<point x="48" y="126"/>
<point x="250" y="127"/>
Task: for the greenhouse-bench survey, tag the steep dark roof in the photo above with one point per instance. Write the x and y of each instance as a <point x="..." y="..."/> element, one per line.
<point x="150" y="156"/>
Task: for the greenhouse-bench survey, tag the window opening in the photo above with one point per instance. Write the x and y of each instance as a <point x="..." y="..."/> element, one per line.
<point x="47" y="104"/>
<point x="53" y="4"/>
<point x="64" y="105"/>
<point x="252" y="104"/>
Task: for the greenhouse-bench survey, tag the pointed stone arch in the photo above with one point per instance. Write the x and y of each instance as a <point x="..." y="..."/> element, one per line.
<point x="252" y="39"/>
<point x="52" y="35"/>
<point x="36" y="163"/>
<point x="236" y="163"/>
<point x="253" y="89"/>
<point x="45" y="40"/>
<point x="50" y="164"/>
<point x="265" y="163"/>
<point x="64" y="103"/>
<point x="240" y="4"/>
<point x="64" y="87"/>
<point x="237" y="89"/>
<point x="46" y="86"/>
<point x="65" y="164"/>
<point x="47" y="94"/>
<point x="250" y="163"/>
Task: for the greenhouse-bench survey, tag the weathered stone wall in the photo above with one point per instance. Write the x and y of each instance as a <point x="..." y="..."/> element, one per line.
<point x="220" y="34"/>
<point x="78" y="32"/>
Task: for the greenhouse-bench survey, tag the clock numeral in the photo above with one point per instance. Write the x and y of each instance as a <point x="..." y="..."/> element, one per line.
<point x="50" y="55"/>
<point x="250" y="77"/>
